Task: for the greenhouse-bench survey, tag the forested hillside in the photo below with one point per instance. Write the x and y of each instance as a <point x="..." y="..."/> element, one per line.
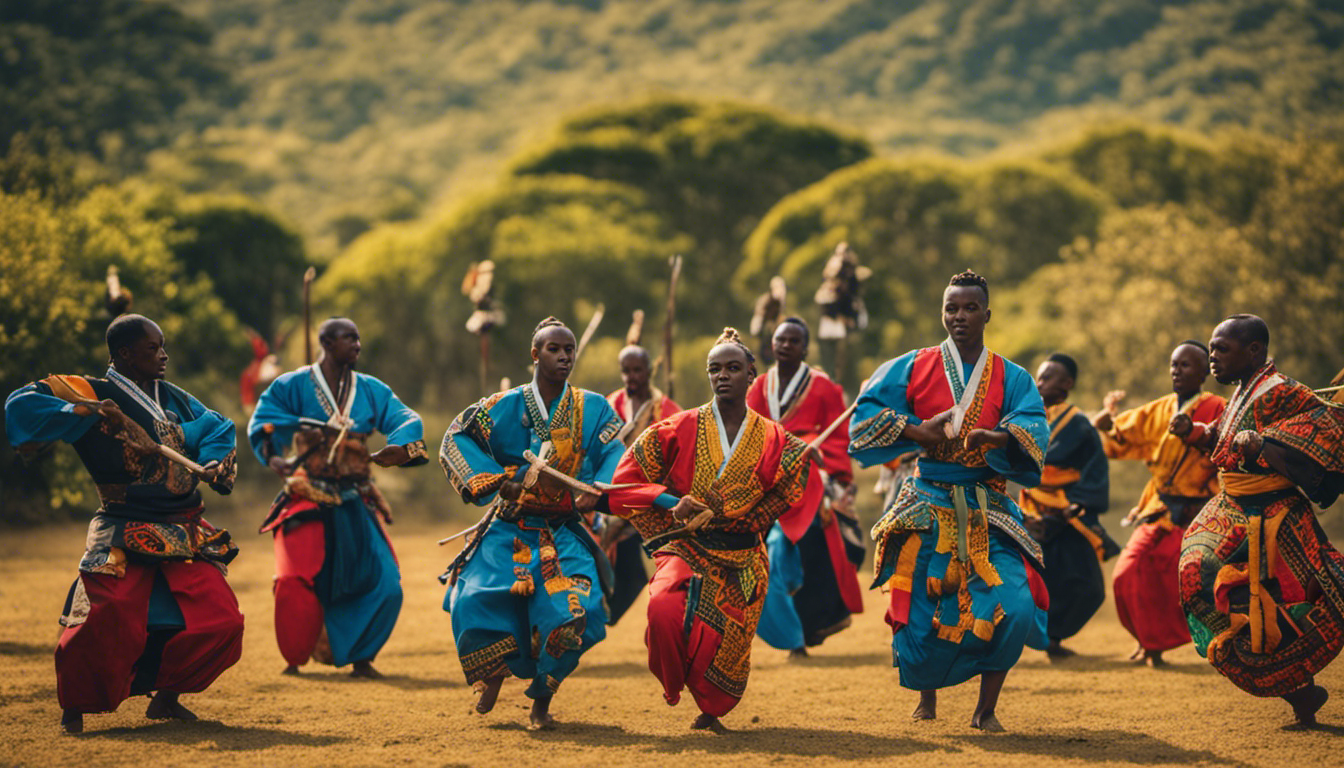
<point x="358" y="111"/>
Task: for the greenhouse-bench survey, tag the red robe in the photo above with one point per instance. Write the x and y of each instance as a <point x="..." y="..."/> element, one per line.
<point x="819" y="402"/>
<point x="709" y="588"/>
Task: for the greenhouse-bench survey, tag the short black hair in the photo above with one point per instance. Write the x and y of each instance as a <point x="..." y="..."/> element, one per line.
<point x="127" y="330"/>
<point x="1201" y="346"/>
<point x="970" y="278"/>
<point x="634" y="349"/>
<point x="1248" y="329"/>
<point x="324" y="331"/>
<point x="1069" y="363"/>
<point x="798" y="321"/>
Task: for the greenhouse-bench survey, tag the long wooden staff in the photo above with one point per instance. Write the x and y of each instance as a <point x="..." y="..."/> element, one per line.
<point x="669" y="376"/>
<point x="308" y="278"/>
<point x="588" y="332"/>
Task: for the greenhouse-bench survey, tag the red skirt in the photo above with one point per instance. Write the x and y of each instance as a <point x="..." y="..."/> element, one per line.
<point x="96" y="660"/>
<point x="1147" y="593"/>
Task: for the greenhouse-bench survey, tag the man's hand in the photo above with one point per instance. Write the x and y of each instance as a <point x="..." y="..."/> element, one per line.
<point x="1248" y="443"/>
<point x="511" y="490"/>
<point x="1181" y="425"/>
<point x="210" y="472"/>
<point x="1110" y="406"/>
<point x="279" y="466"/>
<point x="686" y="508"/>
<point x="1073" y="510"/>
<point x="929" y="434"/>
<point x="584" y="502"/>
<point x="814" y="453"/>
<point x="391" y="456"/>
<point x="990" y="437"/>
<point x="612" y="531"/>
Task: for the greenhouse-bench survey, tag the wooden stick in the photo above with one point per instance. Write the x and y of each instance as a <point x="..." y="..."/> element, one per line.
<point x="460" y="534"/>
<point x="308" y="278"/>
<point x="669" y="376"/>
<point x="165" y="451"/>
<point x="539" y="465"/>
<point x="588" y="332"/>
<point x="1327" y="390"/>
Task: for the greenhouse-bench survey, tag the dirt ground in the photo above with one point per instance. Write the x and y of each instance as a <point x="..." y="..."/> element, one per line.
<point x="843" y="704"/>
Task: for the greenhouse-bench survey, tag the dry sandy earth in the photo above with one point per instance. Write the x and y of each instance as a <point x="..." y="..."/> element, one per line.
<point x="842" y="705"/>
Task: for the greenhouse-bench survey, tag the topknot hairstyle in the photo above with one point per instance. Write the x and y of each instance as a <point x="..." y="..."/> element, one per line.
<point x="970" y="278"/>
<point x="802" y="325"/>
<point x="731" y="336"/>
<point x="1069" y="363"/>
<point x="550" y="322"/>
<point x="125" y="331"/>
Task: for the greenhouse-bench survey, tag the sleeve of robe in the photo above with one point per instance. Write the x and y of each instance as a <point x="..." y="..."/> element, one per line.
<point x="34" y="416"/>
<point x="398" y="422"/>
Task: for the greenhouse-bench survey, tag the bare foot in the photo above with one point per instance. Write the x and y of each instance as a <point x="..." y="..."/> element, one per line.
<point x="1138" y="654"/>
<point x="1154" y="659"/>
<point x="72" y="721"/>
<point x="540" y="718"/>
<point x="928" y="706"/>
<point x="487" y="692"/>
<point x="798" y="654"/>
<point x="708" y="722"/>
<point x="165" y="706"/>
<point x="1306" y="702"/>
<point x="987" y="722"/>
<point x="840" y="625"/>
<point x="292" y="669"/>
<point x="1056" y="651"/>
<point x="365" y="670"/>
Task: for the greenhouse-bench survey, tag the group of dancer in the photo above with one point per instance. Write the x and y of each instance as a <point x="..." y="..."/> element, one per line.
<point x="744" y="503"/>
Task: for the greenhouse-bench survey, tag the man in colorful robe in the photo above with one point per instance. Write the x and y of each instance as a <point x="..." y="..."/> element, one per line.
<point x="150" y="610"/>
<point x="966" y="592"/>
<point x="1062" y="511"/>
<point x="1147" y="596"/>
<point x="702" y="488"/>
<point x="639" y="404"/>
<point x="1261" y="585"/>
<point x="814" y="584"/>
<point x="526" y="592"/>
<point x="337" y="585"/>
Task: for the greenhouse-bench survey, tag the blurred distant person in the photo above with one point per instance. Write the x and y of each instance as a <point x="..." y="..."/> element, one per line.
<point x="814" y="584"/>
<point x="1062" y="511"/>
<point x="526" y="592"/>
<point x="1261" y="585"/>
<point x="1147" y="597"/>
<point x="337" y="584"/>
<point x="964" y="575"/>
<point x="150" y="610"/>
<point x="639" y="404"/>
<point x="706" y="484"/>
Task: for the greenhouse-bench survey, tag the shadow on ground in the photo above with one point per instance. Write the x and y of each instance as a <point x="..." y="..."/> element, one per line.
<point x="226" y="737"/>
<point x="1097" y="746"/>
<point x="797" y="742"/>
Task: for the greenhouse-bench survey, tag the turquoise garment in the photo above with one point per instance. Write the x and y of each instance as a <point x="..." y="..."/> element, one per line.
<point x="780" y="626"/>
<point x="359" y="584"/>
<point x="295" y="399"/>
<point x="526" y="598"/>
<point x="926" y="660"/>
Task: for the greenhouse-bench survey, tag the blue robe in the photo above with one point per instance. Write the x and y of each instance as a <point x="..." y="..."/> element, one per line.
<point x="359" y="585"/>
<point x="952" y="546"/>
<point x="526" y="594"/>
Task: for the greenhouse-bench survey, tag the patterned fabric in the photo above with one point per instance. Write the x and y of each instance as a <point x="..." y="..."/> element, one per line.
<point x="658" y="407"/>
<point x="766" y="477"/>
<point x="966" y="594"/>
<point x="817" y="402"/>
<point x="1178" y="469"/>
<point x="1261" y="586"/>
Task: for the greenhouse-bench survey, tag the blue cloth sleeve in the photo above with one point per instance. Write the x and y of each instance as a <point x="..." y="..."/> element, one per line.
<point x="881" y="414"/>
<point x="466" y="458"/>
<point x="209" y="436"/>
<point x="397" y="421"/>
<point x="1024" y="421"/>
<point x="278" y="406"/>
<point x="33" y="415"/>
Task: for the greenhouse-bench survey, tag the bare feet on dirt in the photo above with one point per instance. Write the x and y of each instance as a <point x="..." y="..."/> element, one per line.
<point x="72" y="722"/>
<point x="928" y="706"/>
<point x="165" y="706"/>
<point x="707" y="722"/>
<point x="1056" y="651"/>
<point x="487" y="692"/>
<point x="365" y="670"/>
<point x="540" y="718"/>
<point x="987" y="722"/>
<point x="1306" y="702"/>
<point x="292" y="669"/>
<point x="798" y="654"/>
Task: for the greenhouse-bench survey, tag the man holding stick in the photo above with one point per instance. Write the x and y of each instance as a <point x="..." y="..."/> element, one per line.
<point x="337" y="586"/>
<point x="151" y="610"/>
